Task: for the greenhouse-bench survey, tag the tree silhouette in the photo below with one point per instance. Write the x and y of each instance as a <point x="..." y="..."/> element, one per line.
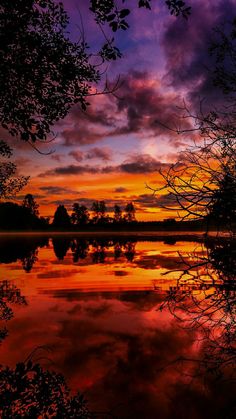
<point x="42" y="73"/>
<point x="61" y="246"/>
<point x="204" y="299"/>
<point x="10" y="184"/>
<point x="117" y="250"/>
<point x="99" y="210"/>
<point x="30" y="203"/>
<point x="99" y="251"/>
<point x="129" y="250"/>
<point x="23" y="248"/>
<point x="80" y="215"/>
<point x="117" y="214"/>
<point x="223" y="207"/>
<point x="9" y="294"/>
<point x="108" y="11"/>
<point x="79" y="249"/>
<point x="18" y="217"/>
<point x="223" y="48"/>
<point x="61" y="218"/>
<point x="28" y="390"/>
<point x="203" y="182"/>
<point x="130" y="213"/>
<point x="29" y="260"/>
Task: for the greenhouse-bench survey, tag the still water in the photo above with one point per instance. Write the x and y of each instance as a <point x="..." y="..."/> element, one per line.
<point x="138" y="326"/>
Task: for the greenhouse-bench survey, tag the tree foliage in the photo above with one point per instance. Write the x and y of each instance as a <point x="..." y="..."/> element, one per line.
<point x="108" y="11"/>
<point x="117" y="213"/>
<point x="28" y="390"/>
<point x="130" y="212"/>
<point x="80" y="214"/>
<point x="203" y="183"/>
<point x="42" y="73"/>
<point x="61" y="218"/>
<point x="223" y="48"/>
<point x="18" y="217"/>
<point x="10" y="183"/>
<point x="9" y="295"/>
<point x="204" y="300"/>
<point x="30" y="203"/>
<point x="99" y="209"/>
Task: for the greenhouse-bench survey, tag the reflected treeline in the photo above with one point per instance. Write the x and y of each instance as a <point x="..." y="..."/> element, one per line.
<point x="222" y="258"/>
<point x="204" y="299"/>
<point x="98" y="249"/>
<point x="61" y="246"/>
<point x="9" y="295"/>
<point x="26" y="248"/>
<point x="23" y="248"/>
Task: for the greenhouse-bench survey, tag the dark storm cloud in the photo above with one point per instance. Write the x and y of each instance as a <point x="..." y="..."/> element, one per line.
<point x="138" y="105"/>
<point x="143" y="104"/>
<point x="136" y="164"/>
<point x="186" y="46"/>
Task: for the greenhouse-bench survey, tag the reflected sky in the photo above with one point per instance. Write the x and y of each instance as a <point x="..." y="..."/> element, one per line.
<point x="99" y="318"/>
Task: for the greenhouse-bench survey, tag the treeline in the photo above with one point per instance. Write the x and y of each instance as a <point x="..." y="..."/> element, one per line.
<point x="82" y="217"/>
<point x="22" y="217"/>
<point x="26" y="217"/>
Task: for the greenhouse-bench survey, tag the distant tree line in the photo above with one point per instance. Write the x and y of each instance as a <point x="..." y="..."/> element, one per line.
<point x="26" y="216"/>
<point x="22" y="217"/>
<point x="81" y="216"/>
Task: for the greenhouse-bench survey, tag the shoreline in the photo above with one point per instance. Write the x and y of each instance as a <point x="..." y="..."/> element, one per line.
<point x="139" y="235"/>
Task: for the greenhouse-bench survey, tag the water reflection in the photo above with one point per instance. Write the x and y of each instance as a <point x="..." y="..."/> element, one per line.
<point x="205" y="301"/>
<point x="21" y="248"/>
<point x="9" y="295"/>
<point x="61" y="246"/>
<point x="96" y="303"/>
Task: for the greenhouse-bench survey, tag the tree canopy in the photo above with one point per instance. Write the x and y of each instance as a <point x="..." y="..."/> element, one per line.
<point x="10" y="182"/>
<point x="42" y="73"/>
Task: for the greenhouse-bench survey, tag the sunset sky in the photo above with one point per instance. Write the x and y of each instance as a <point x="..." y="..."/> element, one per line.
<point x="117" y="146"/>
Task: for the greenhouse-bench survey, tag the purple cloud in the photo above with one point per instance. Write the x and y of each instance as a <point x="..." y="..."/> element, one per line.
<point x="99" y="153"/>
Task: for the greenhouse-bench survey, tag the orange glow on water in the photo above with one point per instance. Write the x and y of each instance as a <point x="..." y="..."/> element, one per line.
<point x="93" y="309"/>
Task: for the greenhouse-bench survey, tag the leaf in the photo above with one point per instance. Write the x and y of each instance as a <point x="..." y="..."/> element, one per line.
<point x="114" y="26"/>
<point x="111" y="17"/>
<point x="25" y="136"/>
<point x="124" y="13"/>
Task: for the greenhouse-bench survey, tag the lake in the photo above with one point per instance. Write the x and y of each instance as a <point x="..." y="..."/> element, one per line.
<point x="140" y="326"/>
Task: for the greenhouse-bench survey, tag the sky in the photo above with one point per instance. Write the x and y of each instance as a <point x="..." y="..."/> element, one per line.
<point x="116" y="148"/>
